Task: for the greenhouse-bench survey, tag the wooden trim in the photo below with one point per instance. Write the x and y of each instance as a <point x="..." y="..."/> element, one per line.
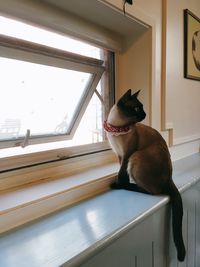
<point x="186" y="14"/>
<point x="151" y="74"/>
<point x="12" y="42"/>
<point x="164" y="124"/>
<point x="35" y="209"/>
<point x="36" y="52"/>
<point x="54" y="170"/>
<point x="134" y="13"/>
<point x="31" y="158"/>
<point x="41" y="190"/>
<point x="186" y="139"/>
<point x="163" y="64"/>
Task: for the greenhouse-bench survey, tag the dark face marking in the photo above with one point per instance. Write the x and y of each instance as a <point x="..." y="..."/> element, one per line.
<point x="131" y="107"/>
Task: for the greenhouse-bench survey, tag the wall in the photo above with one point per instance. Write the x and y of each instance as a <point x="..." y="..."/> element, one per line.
<point x="173" y="101"/>
<point x="183" y="95"/>
<point x="148" y="12"/>
<point x="137" y="60"/>
<point x="148" y="243"/>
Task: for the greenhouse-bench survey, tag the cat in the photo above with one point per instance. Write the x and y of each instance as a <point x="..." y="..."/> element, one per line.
<point x="144" y="159"/>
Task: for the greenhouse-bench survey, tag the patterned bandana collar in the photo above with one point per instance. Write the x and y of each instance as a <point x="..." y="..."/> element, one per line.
<point x="116" y="130"/>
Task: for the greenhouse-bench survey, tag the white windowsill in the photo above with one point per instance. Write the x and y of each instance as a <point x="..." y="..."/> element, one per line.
<point x="32" y="201"/>
<point x="73" y="235"/>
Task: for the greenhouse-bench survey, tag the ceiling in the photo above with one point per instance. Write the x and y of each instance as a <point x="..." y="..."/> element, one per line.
<point x="98" y="13"/>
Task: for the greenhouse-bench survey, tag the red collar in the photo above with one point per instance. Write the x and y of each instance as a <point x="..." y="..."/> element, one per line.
<point x="116" y="130"/>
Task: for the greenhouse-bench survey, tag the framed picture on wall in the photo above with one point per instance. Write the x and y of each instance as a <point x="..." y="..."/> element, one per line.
<point x="191" y="46"/>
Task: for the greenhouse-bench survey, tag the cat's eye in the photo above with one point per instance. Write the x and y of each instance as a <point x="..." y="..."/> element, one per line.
<point x="137" y="109"/>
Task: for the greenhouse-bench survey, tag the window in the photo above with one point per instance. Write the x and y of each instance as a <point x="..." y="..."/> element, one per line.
<point x="53" y="89"/>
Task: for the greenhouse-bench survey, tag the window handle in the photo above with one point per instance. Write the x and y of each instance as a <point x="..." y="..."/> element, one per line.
<point x="26" y="138"/>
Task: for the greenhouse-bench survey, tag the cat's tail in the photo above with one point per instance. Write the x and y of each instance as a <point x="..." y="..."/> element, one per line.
<point x="177" y="216"/>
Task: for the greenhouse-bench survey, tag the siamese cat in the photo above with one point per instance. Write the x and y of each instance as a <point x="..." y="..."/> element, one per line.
<point x="145" y="163"/>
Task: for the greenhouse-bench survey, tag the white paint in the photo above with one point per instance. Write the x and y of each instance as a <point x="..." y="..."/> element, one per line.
<point x="183" y="150"/>
<point x="183" y="95"/>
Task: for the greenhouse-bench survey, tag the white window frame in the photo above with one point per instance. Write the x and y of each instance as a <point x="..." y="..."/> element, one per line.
<point x="14" y="48"/>
<point x="27" y="51"/>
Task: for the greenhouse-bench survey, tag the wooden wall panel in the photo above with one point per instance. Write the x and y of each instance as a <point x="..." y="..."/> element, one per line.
<point x="150" y="243"/>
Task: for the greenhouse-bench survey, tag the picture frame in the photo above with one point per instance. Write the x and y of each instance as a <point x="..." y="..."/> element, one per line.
<point x="191" y="46"/>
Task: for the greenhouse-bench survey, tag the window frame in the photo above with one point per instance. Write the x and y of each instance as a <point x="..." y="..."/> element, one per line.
<point x="22" y="161"/>
<point x="24" y="170"/>
<point x="27" y="51"/>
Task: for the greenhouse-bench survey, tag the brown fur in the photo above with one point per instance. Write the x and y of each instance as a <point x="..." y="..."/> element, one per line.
<point x="144" y="159"/>
<point x="150" y="157"/>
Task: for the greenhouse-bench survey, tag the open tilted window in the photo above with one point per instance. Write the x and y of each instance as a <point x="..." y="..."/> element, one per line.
<point x="53" y="88"/>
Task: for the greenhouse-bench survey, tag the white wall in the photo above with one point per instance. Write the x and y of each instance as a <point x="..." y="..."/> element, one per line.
<point x="148" y="12"/>
<point x="133" y="71"/>
<point x="181" y="97"/>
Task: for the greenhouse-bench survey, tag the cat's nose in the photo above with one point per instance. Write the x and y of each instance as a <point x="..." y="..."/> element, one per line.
<point x="142" y="116"/>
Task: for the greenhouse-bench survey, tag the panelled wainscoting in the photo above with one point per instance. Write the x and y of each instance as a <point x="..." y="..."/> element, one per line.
<point x="150" y="243"/>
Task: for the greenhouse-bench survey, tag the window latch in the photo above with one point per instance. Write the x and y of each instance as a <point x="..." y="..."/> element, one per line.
<point x="26" y="138"/>
<point x="130" y="2"/>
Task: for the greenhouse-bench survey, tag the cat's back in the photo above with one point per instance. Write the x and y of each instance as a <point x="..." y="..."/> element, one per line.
<point x="151" y="160"/>
<point x="148" y="136"/>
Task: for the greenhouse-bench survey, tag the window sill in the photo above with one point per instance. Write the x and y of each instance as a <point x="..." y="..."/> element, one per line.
<point x="73" y="235"/>
<point x="35" y="200"/>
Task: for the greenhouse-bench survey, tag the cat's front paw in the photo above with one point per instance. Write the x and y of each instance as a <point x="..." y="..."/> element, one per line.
<point x="116" y="185"/>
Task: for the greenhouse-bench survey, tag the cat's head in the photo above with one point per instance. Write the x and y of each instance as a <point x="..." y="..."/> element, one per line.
<point x="131" y="107"/>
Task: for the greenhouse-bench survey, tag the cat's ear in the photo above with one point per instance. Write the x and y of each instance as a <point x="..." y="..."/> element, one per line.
<point x="136" y="94"/>
<point x="126" y="96"/>
<point x="123" y="99"/>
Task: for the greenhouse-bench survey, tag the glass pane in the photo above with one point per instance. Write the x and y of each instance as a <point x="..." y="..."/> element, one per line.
<point x="41" y="98"/>
<point x="89" y="131"/>
<point x="37" y="35"/>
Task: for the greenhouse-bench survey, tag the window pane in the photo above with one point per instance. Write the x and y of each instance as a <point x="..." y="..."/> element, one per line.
<point x="90" y="129"/>
<point x="41" y="98"/>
